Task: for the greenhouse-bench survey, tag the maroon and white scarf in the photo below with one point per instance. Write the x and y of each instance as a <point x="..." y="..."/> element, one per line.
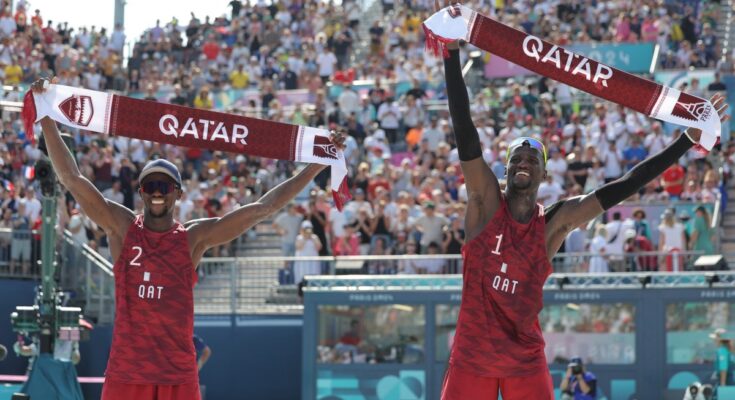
<point x="189" y="127"/>
<point x="642" y="95"/>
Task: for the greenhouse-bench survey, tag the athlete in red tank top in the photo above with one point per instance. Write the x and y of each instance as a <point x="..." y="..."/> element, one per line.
<point x="153" y="294"/>
<point x="498" y="346"/>
<point x="152" y="355"/>
<point x="505" y="267"/>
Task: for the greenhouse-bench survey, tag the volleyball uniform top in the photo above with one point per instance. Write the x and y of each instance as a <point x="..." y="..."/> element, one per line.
<point x="505" y="268"/>
<point x="154" y="309"/>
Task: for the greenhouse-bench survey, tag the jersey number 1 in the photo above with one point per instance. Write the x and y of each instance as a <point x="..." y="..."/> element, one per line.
<point x="504" y="267"/>
<point x="497" y="247"/>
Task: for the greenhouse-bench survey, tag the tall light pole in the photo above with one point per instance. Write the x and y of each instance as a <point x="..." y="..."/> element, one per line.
<point x="120" y="12"/>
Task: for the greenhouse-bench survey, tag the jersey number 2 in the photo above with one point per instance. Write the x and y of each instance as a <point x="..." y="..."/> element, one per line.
<point x="134" y="261"/>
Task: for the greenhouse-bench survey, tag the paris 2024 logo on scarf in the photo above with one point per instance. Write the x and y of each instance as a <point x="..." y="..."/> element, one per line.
<point x="324" y="148"/>
<point x="78" y="109"/>
<point x="691" y="108"/>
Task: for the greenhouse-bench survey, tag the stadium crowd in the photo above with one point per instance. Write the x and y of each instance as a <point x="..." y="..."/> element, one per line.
<point x="409" y="196"/>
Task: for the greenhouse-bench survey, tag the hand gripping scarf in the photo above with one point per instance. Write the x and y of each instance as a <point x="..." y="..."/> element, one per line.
<point x="647" y="97"/>
<point x="188" y="127"/>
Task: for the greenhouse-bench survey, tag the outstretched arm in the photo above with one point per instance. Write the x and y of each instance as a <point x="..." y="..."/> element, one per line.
<point x="112" y="217"/>
<point x="209" y="232"/>
<point x="483" y="190"/>
<point x="581" y="209"/>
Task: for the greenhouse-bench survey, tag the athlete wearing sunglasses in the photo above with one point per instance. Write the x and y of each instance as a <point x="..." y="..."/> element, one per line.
<point x="510" y="240"/>
<point x="155" y="269"/>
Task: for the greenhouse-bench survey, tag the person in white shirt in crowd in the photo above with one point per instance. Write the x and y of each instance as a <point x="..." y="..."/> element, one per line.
<point x="327" y="63"/>
<point x="287" y="225"/>
<point x="77" y="227"/>
<point x="431" y="265"/>
<point x="612" y="162"/>
<point x="113" y="193"/>
<point x="598" y="248"/>
<point x="413" y="113"/>
<point x="349" y="100"/>
<point x="486" y="132"/>
<point x="430" y="225"/>
<point x="33" y="205"/>
<point x="576" y="242"/>
<point x="307" y="244"/>
<point x="655" y="141"/>
<point x="389" y="116"/>
<point x="510" y="130"/>
<point x="117" y="39"/>
<point x="573" y="125"/>
<point x="671" y="239"/>
<point x="556" y="167"/>
<point x="616" y="240"/>
<point x="550" y="191"/>
<point x="433" y="134"/>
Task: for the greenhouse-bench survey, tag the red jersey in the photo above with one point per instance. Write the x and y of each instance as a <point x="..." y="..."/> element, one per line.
<point x="505" y="268"/>
<point x="154" y="309"/>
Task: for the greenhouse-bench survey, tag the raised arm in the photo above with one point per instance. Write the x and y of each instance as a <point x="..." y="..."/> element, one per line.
<point x="210" y="232"/>
<point x="483" y="190"/>
<point x="581" y="209"/>
<point x="112" y="217"/>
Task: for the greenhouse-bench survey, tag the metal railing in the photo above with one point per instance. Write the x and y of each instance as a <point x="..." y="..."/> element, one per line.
<point x="256" y="285"/>
<point x="270" y="284"/>
<point x="20" y="252"/>
<point x="90" y="278"/>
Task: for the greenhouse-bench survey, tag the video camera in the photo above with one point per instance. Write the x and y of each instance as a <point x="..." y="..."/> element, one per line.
<point x="697" y="391"/>
<point x="575" y="367"/>
<point x="44" y="170"/>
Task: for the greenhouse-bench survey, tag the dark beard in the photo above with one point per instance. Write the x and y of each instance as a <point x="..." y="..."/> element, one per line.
<point x="520" y="186"/>
<point x="162" y="214"/>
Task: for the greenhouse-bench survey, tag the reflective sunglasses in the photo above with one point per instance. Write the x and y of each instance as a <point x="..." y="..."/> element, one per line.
<point x="531" y="142"/>
<point x="163" y="187"/>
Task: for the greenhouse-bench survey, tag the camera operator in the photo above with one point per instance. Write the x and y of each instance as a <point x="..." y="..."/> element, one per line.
<point x="579" y="384"/>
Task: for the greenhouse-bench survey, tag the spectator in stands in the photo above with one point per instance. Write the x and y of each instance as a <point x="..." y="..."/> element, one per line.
<point x="380" y="267"/>
<point x="430" y="225"/>
<point x="717" y="85"/>
<point x="363" y="223"/>
<point x="641" y="224"/>
<point x="348" y="243"/>
<point x="671" y="239"/>
<point x="307" y="245"/>
<point x="598" y="248"/>
<point x="615" y="239"/>
<point x="435" y="265"/>
<point x="287" y="225"/>
<point x="20" y="247"/>
<point x="702" y="235"/>
<point x="409" y="265"/>
<point x="550" y="191"/>
<point x="634" y="244"/>
<point x="672" y="181"/>
<point x="380" y="225"/>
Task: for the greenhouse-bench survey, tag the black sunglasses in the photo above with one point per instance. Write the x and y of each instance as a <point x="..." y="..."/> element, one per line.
<point x="162" y="187"/>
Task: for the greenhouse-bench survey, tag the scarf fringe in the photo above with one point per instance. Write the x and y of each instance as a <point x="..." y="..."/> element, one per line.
<point x="29" y="116"/>
<point x="435" y="43"/>
<point x="341" y="196"/>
